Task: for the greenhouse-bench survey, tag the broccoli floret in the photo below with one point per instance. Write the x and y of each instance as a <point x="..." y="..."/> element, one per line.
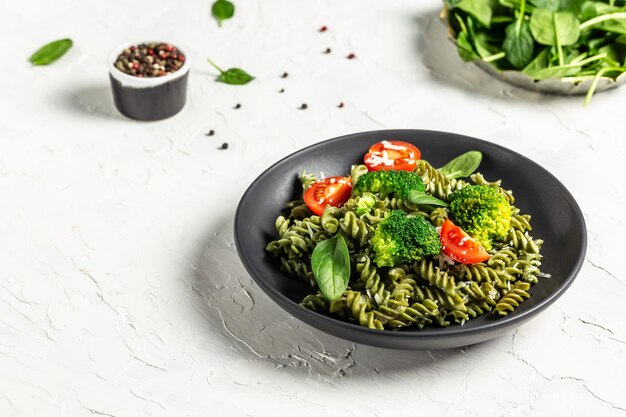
<point x="399" y="239"/>
<point x="398" y="183"/>
<point x="364" y="204"/>
<point x="482" y="211"/>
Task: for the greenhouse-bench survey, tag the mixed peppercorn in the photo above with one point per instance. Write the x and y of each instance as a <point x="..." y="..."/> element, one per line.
<point x="150" y="60"/>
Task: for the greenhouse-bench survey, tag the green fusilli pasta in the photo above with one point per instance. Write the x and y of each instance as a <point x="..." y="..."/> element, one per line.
<point x="433" y="290"/>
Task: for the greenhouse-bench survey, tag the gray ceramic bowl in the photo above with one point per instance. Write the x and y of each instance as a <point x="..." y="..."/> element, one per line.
<point x="556" y="218"/>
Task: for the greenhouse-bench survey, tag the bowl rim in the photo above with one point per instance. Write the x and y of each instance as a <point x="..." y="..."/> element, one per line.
<point x="442" y="332"/>
<point x="146" y="82"/>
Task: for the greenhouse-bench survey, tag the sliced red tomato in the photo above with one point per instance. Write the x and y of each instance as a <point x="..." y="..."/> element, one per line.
<point x="459" y="246"/>
<point x="392" y="155"/>
<point x="333" y="191"/>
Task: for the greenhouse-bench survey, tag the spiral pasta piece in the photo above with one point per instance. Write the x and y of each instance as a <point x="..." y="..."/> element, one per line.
<point x="360" y="307"/>
<point x="369" y="277"/>
<point x="522" y="241"/>
<point x="513" y="298"/>
<point x="435" y="277"/>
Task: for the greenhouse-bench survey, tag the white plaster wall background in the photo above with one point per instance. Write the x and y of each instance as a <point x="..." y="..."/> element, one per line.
<point x="120" y="290"/>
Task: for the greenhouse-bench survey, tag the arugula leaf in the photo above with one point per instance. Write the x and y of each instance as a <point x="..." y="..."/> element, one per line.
<point x="519" y="45"/>
<point x="222" y="10"/>
<point x="330" y="263"/>
<point x="421" y="198"/>
<point x="554" y="28"/>
<point x="232" y="76"/>
<point x="50" y="52"/>
<point x="462" y="166"/>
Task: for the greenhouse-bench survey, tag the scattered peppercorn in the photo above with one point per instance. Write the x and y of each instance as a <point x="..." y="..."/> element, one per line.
<point x="211" y="132"/>
<point x="340" y="105"/>
<point x="285" y="75"/>
<point x="237" y="106"/>
<point x="304" y="106"/>
<point x="351" y="56"/>
<point x="323" y="29"/>
<point x="224" y="146"/>
<point x="282" y="90"/>
<point x="327" y="51"/>
<point x="150" y="60"/>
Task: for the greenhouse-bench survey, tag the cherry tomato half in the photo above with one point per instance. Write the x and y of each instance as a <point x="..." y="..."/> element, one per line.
<point x="392" y="155"/>
<point x="333" y="191"/>
<point x="459" y="246"/>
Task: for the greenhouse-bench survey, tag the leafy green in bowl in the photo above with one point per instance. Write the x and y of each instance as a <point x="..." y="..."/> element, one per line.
<point x="552" y="46"/>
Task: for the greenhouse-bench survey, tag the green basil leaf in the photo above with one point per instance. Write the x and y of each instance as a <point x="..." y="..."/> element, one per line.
<point x="480" y="9"/>
<point x="50" y="52"/>
<point x="222" y="10"/>
<point x="550" y="28"/>
<point x="235" y="76"/>
<point x="519" y="45"/>
<point x="330" y="262"/>
<point x="421" y="198"/>
<point x="462" y="166"/>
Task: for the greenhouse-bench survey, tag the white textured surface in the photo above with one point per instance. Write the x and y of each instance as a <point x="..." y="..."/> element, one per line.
<point x="120" y="291"/>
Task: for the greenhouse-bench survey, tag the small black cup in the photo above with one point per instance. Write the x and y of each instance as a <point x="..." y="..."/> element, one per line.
<point x="148" y="98"/>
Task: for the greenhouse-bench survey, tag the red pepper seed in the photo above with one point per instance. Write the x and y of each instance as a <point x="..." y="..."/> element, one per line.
<point x="323" y="29"/>
<point x="351" y="56"/>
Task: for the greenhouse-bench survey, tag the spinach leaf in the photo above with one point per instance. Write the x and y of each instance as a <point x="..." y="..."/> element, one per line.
<point x="421" y="198"/>
<point x="613" y="25"/>
<point x="552" y="5"/>
<point x="558" y="71"/>
<point x="462" y="166"/>
<point x="222" y="10"/>
<point x="573" y="6"/>
<point x="519" y="45"/>
<point x="554" y="28"/>
<point x="482" y="10"/>
<point x="50" y="52"/>
<point x="588" y="11"/>
<point x="615" y="52"/>
<point x="466" y="50"/>
<point x="330" y="262"/>
<point x="232" y="76"/>
<point x="541" y="61"/>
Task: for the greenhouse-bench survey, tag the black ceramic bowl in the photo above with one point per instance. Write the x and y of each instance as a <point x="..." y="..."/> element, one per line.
<point x="556" y="218"/>
<point x="148" y="98"/>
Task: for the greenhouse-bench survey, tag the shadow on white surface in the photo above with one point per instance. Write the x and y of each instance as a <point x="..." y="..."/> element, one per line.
<point x="94" y="100"/>
<point x="250" y="322"/>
